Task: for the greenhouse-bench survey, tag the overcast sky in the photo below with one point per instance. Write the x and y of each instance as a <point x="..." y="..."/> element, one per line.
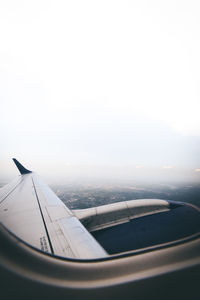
<point x="99" y="83"/>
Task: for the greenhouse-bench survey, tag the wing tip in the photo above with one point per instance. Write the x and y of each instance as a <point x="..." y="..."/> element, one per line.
<point x="21" y="168"/>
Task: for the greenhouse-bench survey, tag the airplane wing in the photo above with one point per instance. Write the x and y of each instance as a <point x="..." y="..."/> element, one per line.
<point x="31" y="210"/>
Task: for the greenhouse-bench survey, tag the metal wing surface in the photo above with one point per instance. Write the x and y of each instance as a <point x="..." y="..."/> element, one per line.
<point x="31" y="210"/>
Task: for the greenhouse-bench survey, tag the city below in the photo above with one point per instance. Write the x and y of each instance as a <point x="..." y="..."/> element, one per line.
<point x="84" y="195"/>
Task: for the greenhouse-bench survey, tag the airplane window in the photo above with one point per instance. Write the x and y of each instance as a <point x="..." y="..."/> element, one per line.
<point x="31" y="210"/>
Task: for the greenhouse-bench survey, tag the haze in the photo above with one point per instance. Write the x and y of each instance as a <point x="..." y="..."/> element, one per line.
<point x="100" y="88"/>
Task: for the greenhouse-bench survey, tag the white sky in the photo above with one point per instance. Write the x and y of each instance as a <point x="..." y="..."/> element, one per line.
<point x="99" y="83"/>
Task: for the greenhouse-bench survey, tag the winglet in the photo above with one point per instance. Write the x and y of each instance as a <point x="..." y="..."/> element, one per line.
<point x="21" y="168"/>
